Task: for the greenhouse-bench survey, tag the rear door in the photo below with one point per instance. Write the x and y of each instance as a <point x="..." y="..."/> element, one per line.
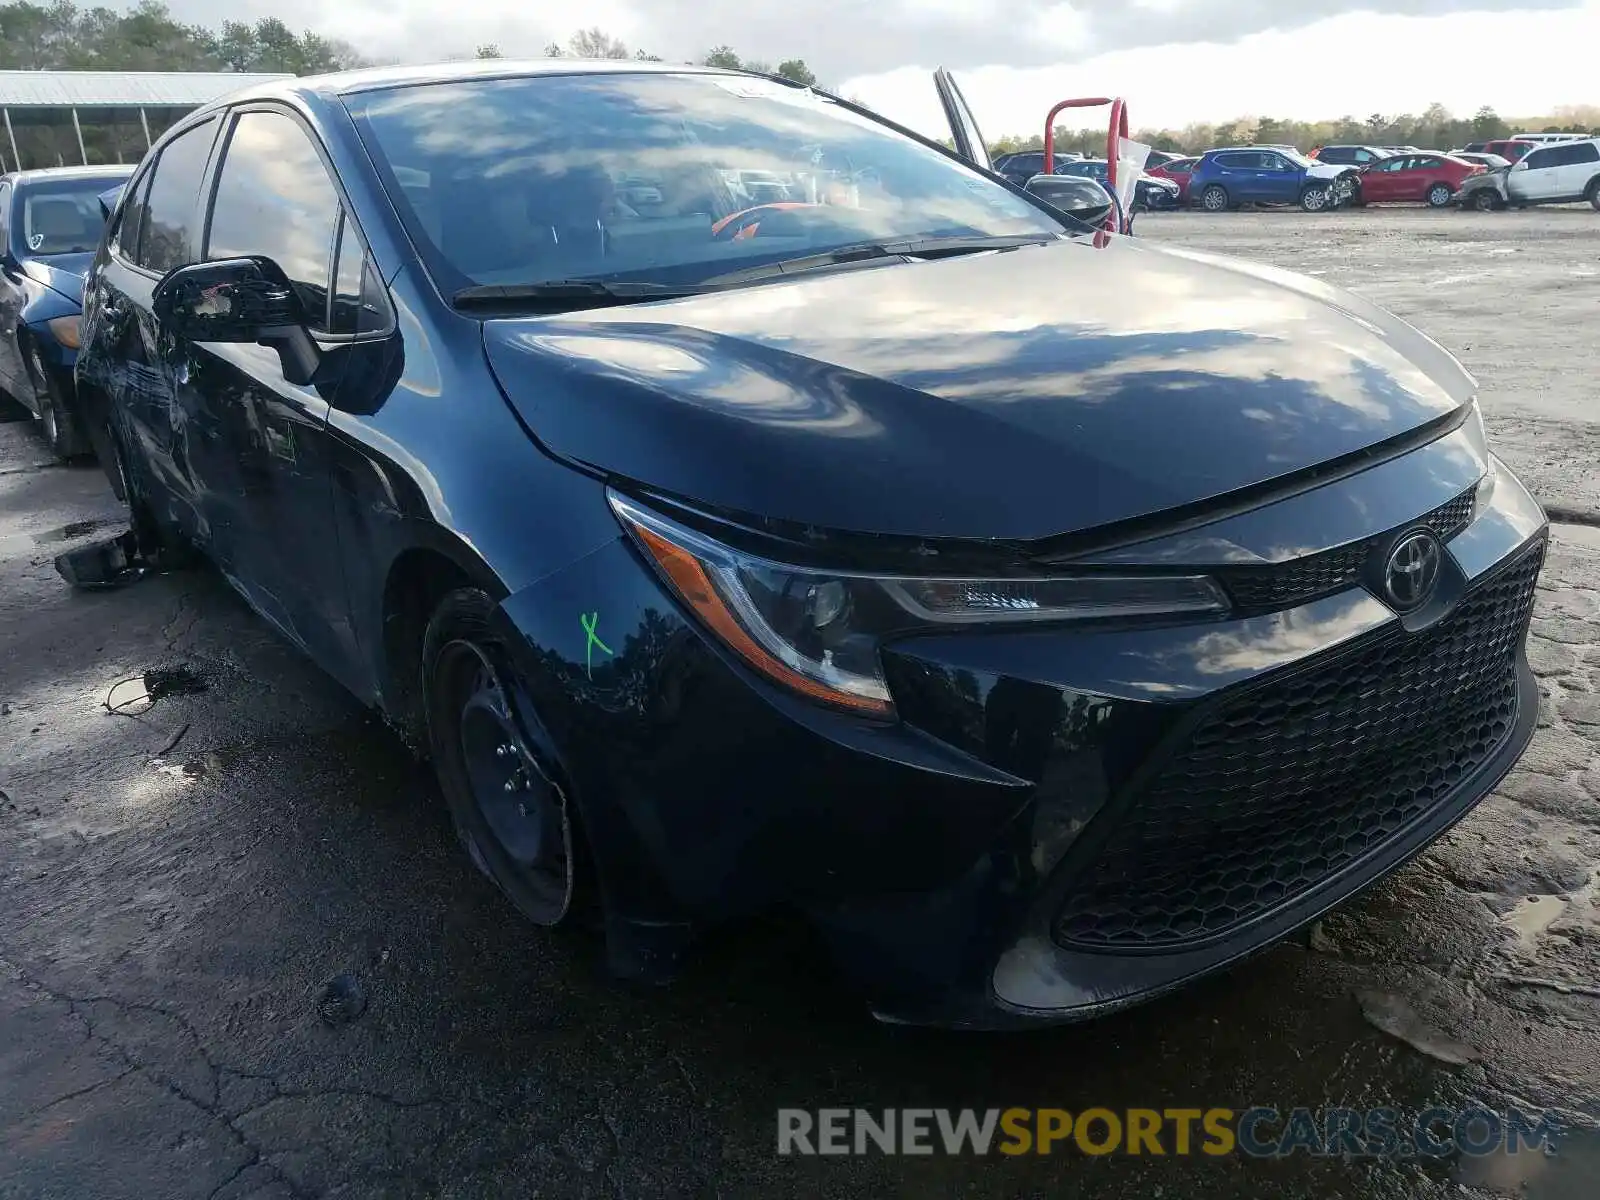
<point x="1580" y="161"/>
<point x="964" y="131"/>
<point x="133" y="364"/>
<point x="1236" y="171"/>
<point x="1420" y="172"/>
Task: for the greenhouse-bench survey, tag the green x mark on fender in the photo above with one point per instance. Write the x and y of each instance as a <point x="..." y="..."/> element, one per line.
<point x="589" y="621"/>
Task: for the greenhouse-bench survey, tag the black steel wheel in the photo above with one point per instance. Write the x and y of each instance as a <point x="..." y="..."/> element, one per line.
<point x="509" y="811"/>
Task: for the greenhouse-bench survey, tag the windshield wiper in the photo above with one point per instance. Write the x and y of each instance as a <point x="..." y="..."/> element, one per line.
<point x="565" y="292"/>
<point x="936" y="247"/>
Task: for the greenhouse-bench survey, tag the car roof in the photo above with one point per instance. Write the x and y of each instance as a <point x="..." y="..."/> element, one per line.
<point x="101" y="171"/>
<point x="372" y="79"/>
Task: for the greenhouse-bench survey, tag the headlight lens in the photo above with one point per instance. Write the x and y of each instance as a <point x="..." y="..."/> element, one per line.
<point x="65" y="330"/>
<point x="818" y="633"/>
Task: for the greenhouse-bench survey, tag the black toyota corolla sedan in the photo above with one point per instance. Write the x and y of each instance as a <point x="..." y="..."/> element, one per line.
<point x="1052" y="619"/>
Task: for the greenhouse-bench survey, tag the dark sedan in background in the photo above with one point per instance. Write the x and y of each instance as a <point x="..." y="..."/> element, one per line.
<point x="1051" y="618"/>
<point x="1150" y="193"/>
<point x="50" y="225"/>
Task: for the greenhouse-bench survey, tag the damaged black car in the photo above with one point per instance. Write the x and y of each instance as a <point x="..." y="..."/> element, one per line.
<point x="1051" y="619"/>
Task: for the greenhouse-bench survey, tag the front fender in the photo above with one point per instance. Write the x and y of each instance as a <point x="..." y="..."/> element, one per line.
<point x="42" y="307"/>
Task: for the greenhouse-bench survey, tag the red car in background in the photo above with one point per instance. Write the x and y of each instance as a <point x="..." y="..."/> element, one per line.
<point x="1178" y="171"/>
<point x="1431" y="179"/>
<point x="1511" y="149"/>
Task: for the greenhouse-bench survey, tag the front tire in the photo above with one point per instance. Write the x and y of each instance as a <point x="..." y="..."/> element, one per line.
<point x="1594" y="194"/>
<point x="56" y="418"/>
<point x="510" y="811"/>
<point x="1484" y="200"/>
<point x="1214" y="199"/>
<point x="1315" y="199"/>
<point x="1440" y="196"/>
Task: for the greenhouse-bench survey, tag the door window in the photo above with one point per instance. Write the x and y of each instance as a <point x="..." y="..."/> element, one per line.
<point x="130" y="221"/>
<point x="274" y="198"/>
<point x="1541" y="158"/>
<point x="165" y="237"/>
<point x="5" y="214"/>
<point x="360" y="304"/>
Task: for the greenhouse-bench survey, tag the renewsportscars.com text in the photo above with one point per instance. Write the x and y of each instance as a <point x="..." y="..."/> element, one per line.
<point x="1258" y="1132"/>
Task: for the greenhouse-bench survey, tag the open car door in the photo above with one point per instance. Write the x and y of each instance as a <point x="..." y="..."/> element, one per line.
<point x="964" y="129"/>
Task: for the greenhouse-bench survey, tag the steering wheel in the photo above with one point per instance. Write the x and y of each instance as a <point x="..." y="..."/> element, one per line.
<point x="746" y="223"/>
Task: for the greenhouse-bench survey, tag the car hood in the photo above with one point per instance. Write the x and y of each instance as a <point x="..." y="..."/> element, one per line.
<point x="1008" y="395"/>
<point x="1322" y="170"/>
<point x="61" y="272"/>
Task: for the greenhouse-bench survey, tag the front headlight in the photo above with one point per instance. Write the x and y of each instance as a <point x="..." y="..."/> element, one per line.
<point x="818" y="632"/>
<point x="66" y="330"/>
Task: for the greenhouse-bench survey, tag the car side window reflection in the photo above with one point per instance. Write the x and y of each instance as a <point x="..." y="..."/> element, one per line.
<point x="5" y="213"/>
<point x="130" y="222"/>
<point x="274" y="198"/>
<point x="166" y="225"/>
<point x="359" y="301"/>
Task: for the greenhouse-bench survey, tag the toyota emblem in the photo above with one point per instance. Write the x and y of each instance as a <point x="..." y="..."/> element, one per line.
<point x="1412" y="570"/>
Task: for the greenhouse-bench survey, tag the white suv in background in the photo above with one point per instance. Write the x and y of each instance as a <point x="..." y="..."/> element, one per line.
<point x="1557" y="174"/>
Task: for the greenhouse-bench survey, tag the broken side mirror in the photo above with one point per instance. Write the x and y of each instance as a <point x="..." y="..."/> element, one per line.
<point x="108" y="201"/>
<point x="239" y="300"/>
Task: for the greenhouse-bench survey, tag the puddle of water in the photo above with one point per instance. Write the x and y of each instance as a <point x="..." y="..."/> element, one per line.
<point x="66" y="533"/>
<point x="139" y="694"/>
<point x="1529" y="919"/>
<point x="1567" y="1174"/>
<point x="23" y="542"/>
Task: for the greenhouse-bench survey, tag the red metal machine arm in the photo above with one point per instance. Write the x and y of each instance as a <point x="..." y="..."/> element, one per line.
<point x="1118" y="129"/>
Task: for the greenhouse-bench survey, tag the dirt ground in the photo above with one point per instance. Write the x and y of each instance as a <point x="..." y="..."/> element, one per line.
<point x="178" y="881"/>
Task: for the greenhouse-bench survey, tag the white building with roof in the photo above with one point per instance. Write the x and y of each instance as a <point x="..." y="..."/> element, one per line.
<point x="38" y="106"/>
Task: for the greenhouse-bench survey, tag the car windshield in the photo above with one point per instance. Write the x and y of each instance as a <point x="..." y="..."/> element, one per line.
<point x="652" y="177"/>
<point x="1294" y="156"/>
<point x="63" y="216"/>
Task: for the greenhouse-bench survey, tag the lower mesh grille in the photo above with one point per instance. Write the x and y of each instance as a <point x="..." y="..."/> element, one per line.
<point x="1289" y="783"/>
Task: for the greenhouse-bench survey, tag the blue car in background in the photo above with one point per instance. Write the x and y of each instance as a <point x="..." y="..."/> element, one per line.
<point x="1225" y="179"/>
<point x="50" y="227"/>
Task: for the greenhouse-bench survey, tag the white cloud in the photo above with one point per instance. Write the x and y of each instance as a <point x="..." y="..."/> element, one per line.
<point x="1519" y="63"/>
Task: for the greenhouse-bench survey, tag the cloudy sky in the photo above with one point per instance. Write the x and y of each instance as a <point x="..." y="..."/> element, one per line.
<point x="1175" y="61"/>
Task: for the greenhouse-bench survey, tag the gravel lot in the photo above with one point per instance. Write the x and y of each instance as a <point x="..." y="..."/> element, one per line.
<point x="178" y="882"/>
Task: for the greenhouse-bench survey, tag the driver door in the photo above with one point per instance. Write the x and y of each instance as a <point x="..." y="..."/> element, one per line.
<point x="964" y="131"/>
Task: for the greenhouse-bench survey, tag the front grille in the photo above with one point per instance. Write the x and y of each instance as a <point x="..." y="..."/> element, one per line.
<point x="1288" y="783"/>
<point x="1299" y="580"/>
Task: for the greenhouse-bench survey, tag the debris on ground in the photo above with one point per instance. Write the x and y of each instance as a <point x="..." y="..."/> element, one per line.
<point x="343" y="999"/>
<point x="1394" y="1015"/>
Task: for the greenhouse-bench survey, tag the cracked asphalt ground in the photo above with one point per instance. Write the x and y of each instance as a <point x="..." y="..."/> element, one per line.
<point x="179" y="879"/>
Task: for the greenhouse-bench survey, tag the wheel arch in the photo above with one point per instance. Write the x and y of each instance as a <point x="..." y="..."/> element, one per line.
<point x="417" y="579"/>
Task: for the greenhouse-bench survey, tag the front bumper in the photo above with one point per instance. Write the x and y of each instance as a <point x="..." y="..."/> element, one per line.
<point x="980" y="862"/>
